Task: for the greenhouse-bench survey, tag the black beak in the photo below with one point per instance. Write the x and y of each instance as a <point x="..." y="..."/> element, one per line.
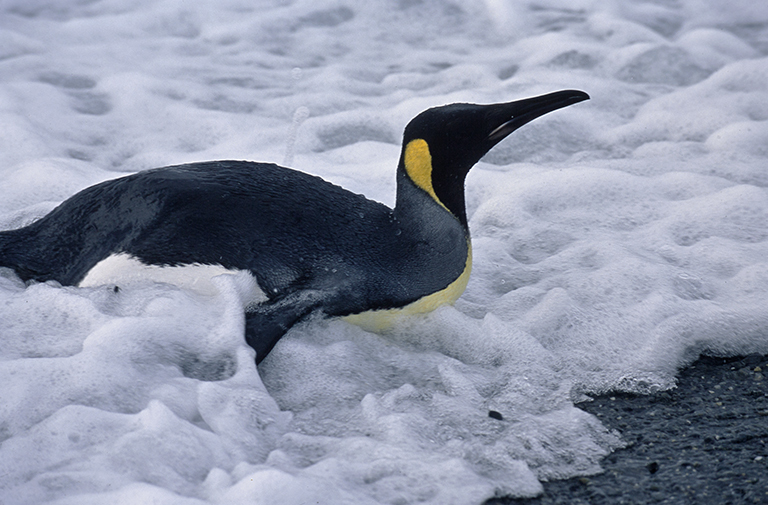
<point x="511" y="116"/>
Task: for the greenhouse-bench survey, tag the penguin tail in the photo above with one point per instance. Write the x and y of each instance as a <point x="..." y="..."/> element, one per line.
<point x="7" y="250"/>
<point x="16" y="254"/>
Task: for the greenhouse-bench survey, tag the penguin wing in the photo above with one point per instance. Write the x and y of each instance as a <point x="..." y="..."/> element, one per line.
<point x="267" y="322"/>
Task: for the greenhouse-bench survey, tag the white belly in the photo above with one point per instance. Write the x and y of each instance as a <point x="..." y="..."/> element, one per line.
<point x="124" y="270"/>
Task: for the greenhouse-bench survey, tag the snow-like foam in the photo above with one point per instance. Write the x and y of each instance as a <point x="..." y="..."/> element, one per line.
<point x="613" y="242"/>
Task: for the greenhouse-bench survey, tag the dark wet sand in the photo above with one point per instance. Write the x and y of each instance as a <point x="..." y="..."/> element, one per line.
<point x="704" y="442"/>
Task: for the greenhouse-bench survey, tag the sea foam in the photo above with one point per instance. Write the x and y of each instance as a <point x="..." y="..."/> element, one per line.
<point x="614" y="241"/>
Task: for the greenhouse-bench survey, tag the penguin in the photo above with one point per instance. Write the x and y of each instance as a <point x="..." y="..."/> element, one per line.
<point x="312" y="247"/>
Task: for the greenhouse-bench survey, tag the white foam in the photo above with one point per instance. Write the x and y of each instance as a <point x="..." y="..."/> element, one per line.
<point x="613" y="242"/>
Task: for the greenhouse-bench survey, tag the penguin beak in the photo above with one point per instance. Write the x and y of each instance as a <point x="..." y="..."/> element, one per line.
<point x="511" y="116"/>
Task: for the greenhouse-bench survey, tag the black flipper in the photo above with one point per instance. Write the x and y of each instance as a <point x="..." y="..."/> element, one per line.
<point x="266" y="323"/>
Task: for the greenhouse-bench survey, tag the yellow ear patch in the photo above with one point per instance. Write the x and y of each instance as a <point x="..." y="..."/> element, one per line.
<point x="418" y="166"/>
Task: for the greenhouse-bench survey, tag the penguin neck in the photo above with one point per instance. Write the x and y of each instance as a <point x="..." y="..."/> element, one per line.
<point x="416" y="185"/>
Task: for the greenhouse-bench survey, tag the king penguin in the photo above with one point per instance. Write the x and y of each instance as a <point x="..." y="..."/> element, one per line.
<point x="312" y="247"/>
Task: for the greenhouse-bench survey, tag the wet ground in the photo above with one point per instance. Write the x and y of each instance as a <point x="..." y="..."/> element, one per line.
<point x="705" y="441"/>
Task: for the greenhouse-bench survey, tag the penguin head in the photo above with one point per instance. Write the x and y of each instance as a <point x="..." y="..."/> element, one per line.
<point x="442" y="144"/>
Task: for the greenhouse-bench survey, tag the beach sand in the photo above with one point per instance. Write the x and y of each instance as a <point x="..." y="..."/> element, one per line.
<point x="705" y="441"/>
